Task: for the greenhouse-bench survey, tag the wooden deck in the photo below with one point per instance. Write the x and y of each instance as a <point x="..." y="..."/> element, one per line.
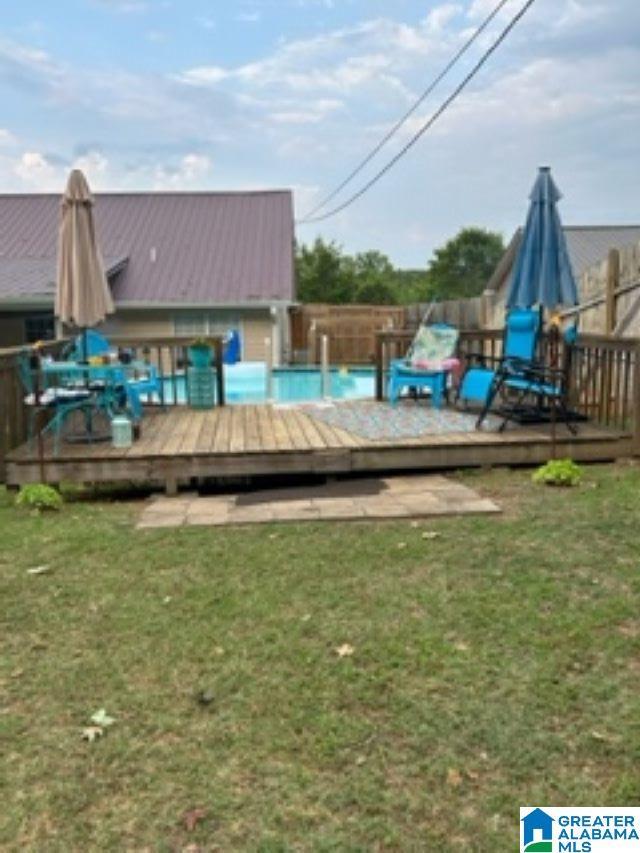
<point x="260" y="439"/>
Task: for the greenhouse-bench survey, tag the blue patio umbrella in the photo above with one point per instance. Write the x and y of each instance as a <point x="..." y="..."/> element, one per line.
<point x="542" y="273"/>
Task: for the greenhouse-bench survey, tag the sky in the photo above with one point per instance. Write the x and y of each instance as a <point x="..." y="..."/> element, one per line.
<point x="260" y="94"/>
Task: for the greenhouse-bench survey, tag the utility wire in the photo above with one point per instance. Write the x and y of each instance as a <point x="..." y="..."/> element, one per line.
<point x="429" y="123"/>
<point x="396" y="127"/>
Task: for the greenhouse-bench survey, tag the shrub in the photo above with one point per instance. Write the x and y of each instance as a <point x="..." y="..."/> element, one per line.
<point x="558" y="472"/>
<point x="39" y="497"/>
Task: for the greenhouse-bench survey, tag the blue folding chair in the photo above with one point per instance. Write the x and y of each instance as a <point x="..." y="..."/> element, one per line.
<point x="536" y="392"/>
<point x="520" y="344"/>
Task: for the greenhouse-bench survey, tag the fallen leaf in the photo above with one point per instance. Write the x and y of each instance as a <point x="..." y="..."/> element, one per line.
<point x="454" y="778"/>
<point x="430" y="534"/>
<point x="192" y="818"/>
<point x="102" y="719"/>
<point x="402" y="545"/>
<point x="39" y="570"/>
<point x="596" y="735"/>
<point x="472" y="774"/>
<point x="205" y="697"/>
<point x="92" y="733"/>
<point x="344" y="651"/>
<point x="461" y="647"/>
<point x="306" y="617"/>
<point x="360" y="760"/>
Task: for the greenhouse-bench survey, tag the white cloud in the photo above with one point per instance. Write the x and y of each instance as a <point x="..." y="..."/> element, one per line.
<point x="6" y="137"/>
<point x="35" y="170"/>
<point x="249" y="17"/>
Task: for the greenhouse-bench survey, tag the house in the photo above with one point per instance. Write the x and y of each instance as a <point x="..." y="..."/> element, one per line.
<point x="588" y="247"/>
<point x="179" y="264"/>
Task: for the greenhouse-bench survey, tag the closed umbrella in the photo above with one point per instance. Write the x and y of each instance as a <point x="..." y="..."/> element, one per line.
<point x="83" y="298"/>
<point x="542" y="272"/>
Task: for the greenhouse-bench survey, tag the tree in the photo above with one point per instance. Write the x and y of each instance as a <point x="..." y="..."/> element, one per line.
<point x="323" y="275"/>
<point x="462" y="267"/>
<point x="373" y="275"/>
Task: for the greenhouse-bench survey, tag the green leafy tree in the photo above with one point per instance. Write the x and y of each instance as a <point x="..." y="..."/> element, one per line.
<point x="323" y="275"/>
<point x="373" y="274"/>
<point x="462" y="267"/>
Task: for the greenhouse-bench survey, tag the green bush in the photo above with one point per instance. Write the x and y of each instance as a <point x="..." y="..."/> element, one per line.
<point x="558" y="472"/>
<point x="39" y="497"/>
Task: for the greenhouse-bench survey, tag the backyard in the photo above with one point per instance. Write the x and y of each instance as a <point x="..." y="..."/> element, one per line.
<point x="351" y="687"/>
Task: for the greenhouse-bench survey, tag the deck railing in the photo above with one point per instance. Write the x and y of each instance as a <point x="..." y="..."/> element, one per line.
<point x="604" y="373"/>
<point x="169" y="355"/>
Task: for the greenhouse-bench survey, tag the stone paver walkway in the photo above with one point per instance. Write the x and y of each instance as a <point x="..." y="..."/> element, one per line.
<point x="375" y="498"/>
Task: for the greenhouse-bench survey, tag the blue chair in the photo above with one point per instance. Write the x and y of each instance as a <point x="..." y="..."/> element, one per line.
<point x="59" y="402"/>
<point x="427" y="364"/>
<point x="86" y="345"/>
<point x="139" y="387"/>
<point x="522" y="332"/>
<point x="544" y="386"/>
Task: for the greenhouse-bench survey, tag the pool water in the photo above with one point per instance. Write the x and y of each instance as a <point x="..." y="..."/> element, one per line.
<point x="246" y="383"/>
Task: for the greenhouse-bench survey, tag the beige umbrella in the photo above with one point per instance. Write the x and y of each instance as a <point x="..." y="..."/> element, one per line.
<point x="83" y="298"/>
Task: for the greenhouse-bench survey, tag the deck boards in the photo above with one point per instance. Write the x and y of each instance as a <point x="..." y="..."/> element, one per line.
<point x="258" y="439"/>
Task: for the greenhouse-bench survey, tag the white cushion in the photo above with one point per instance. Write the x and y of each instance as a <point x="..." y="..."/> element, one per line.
<point x="52" y="396"/>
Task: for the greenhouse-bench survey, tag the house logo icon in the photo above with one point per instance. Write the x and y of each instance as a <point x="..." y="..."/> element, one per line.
<point x="537" y="832"/>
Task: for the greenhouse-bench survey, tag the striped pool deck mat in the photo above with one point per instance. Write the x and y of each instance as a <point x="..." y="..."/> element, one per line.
<point x="409" y="419"/>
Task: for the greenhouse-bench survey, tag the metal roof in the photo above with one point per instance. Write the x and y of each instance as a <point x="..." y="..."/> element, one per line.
<point x="35" y="278"/>
<point x="587" y="245"/>
<point x="181" y="248"/>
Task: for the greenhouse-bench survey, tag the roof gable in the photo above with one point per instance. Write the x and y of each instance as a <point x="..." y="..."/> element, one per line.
<point x="586" y="245"/>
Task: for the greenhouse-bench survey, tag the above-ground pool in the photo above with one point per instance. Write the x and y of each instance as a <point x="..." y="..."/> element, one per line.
<point x="246" y="382"/>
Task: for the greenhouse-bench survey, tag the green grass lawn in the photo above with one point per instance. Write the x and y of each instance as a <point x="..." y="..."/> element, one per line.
<point x="493" y="666"/>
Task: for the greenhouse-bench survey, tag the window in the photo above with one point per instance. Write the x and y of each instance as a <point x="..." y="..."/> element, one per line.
<point x="195" y="325"/>
<point x="39" y="327"/>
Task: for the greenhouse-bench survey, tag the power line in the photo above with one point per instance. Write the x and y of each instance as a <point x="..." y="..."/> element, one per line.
<point x="429" y="123"/>
<point x="396" y="127"/>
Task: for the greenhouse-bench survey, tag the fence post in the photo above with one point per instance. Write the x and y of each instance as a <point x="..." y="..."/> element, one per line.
<point x="613" y="283"/>
<point x="636" y="399"/>
<point x="379" y="368"/>
<point x="324" y="367"/>
<point x="268" y="359"/>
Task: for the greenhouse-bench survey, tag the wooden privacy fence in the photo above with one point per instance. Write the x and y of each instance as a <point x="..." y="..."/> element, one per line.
<point x="169" y="355"/>
<point x="467" y="314"/>
<point x="604" y="377"/>
<point x="351" y="330"/>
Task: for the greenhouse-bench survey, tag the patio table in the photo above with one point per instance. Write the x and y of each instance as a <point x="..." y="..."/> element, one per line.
<point x="109" y="382"/>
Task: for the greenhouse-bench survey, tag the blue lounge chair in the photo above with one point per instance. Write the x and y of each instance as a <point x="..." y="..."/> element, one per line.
<point x="430" y="359"/>
<point x="538" y="392"/>
<point x="521" y="338"/>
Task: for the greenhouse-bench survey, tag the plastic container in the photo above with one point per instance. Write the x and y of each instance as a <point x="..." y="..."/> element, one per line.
<point x="121" y="431"/>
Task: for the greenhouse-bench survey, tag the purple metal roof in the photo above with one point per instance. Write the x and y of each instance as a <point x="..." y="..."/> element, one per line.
<point x="181" y="248"/>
